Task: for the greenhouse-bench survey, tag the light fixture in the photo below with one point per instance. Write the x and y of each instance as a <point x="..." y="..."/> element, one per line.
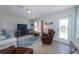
<point x="51" y="23"/>
<point x="29" y="11"/>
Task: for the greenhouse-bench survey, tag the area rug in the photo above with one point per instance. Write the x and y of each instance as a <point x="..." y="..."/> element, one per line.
<point x="27" y="42"/>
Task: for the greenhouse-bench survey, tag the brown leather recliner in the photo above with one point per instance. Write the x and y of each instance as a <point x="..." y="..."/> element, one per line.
<point x="19" y="50"/>
<point x="47" y="38"/>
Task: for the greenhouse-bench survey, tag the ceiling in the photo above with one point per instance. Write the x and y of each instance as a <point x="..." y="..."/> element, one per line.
<point x="37" y="10"/>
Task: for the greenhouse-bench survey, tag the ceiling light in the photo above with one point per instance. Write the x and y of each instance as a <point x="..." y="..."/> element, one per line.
<point x="29" y="11"/>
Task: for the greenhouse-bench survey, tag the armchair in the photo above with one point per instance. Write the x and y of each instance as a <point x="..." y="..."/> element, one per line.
<point x="47" y="38"/>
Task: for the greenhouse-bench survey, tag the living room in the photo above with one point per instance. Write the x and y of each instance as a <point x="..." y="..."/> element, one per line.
<point x="29" y="27"/>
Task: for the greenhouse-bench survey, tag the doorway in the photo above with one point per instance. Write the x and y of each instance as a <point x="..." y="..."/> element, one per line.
<point x="37" y="26"/>
<point x="63" y="29"/>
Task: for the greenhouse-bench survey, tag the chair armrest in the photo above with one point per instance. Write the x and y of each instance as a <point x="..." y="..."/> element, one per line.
<point x="21" y="50"/>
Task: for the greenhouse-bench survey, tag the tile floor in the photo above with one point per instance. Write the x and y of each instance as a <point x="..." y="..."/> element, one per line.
<point x="54" y="48"/>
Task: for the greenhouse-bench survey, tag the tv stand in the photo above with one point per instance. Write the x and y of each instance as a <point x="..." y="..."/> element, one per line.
<point x="19" y="33"/>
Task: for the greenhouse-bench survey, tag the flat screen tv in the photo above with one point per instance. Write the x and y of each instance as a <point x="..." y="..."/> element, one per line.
<point x="21" y="26"/>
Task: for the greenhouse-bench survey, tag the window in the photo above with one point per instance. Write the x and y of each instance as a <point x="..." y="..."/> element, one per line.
<point x="37" y="26"/>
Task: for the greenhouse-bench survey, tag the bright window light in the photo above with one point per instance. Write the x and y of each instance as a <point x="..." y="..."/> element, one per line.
<point x="63" y="30"/>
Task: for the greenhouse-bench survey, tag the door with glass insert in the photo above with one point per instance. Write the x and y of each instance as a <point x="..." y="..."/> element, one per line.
<point x="63" y="29"/>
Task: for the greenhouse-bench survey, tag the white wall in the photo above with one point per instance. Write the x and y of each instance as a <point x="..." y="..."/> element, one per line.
<point x="10" y="22"/>
<point x="54" y="17"/>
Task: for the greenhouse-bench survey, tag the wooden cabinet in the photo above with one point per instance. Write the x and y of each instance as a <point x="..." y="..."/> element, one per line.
<point x="19" y="33"/>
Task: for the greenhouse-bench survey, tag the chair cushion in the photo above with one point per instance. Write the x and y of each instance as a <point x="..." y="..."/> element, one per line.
<point x="44" y="34"/>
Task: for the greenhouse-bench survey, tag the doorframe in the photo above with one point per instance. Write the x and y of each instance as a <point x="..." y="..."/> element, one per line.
<point x="69" y="30"/>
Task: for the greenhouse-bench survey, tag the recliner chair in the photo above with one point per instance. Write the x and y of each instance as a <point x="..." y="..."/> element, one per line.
<point x="47" y="38"/>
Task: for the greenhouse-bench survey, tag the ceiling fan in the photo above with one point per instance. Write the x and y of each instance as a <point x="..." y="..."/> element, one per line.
<point x="28" y="11"/>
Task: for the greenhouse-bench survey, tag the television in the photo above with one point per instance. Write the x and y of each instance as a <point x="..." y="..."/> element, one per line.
<point x="21" y="26"/>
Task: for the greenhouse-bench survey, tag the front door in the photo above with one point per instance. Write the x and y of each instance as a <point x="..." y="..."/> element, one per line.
<point x="63" y="29"/>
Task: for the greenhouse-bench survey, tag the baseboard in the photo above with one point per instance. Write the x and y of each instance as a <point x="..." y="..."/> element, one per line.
<point x="67" y="43"/>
